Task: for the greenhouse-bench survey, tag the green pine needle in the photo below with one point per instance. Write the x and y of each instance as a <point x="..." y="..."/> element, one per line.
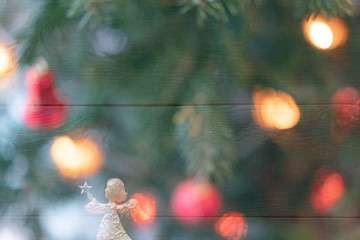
<point x="209" y="8"/>
<point x="50" y="17"/>
<point x="328" y="8"/>
<point x="205" y="140"/>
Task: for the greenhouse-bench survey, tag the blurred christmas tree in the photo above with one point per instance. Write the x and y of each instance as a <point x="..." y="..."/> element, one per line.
<point x="252" y="106"/>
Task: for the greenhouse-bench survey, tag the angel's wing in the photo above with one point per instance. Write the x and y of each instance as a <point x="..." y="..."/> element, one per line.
<point x="124" y="209"/>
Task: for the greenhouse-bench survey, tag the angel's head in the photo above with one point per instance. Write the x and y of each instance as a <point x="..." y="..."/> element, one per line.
<point x="115" y="190"/>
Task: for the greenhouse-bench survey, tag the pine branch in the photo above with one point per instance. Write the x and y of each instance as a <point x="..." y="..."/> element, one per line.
<point x="327" y="8"/>
<point x="244" y="4"/>
<point x="205" y="140"/>
<point x="50" y="17"/>
<point x="207" y="8"/>
<point x="91" y="11"/>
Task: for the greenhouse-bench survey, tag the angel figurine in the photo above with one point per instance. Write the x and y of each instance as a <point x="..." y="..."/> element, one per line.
<point x="110" y="227"/>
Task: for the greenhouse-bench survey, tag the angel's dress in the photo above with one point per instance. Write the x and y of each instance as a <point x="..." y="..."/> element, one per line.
<point x="110" y="227"/>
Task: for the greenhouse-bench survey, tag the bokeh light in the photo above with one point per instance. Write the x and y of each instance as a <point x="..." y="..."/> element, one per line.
<point x="145" y="211"/>
<point x="15" y="232"/>
<point x="231" y="226"/>
<point x="274" y="109"/>
<point x="108" y="42"/>
<point x="7" y="63"/>
<point x="194" y="202"/>
<point x="345" y="106"/>
<point x="321" y="35"/>
<point x="325" y="34"/>
<point x="327" y="191"/>
<point x="76" y="158"/>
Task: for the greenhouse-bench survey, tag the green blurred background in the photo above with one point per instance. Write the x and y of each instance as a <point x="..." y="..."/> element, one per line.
<point x="165" y="90"/>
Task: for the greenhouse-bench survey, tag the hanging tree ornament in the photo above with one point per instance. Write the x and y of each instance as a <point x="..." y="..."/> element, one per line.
<point x="206" y="144"/>
<point x="195" y="201"/>
<point x="108" y="42"/>
<point x="110" y="226"/>
<point x="44" y="104"/>
<point x="345" y="106"/>
<point x="327" y="190"/>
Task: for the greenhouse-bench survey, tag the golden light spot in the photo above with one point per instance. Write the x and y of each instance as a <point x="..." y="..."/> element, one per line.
<point x="321" y="35"/>
<point x="274" y="109"/>
<point x="76" y="159"/>
<point x="7" y="64"/>
<point x="325" y="34"/>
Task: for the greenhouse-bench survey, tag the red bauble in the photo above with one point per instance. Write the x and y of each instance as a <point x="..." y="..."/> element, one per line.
<point x="327" y="190"/>
<point x="44" y="106"/>
<point x="196" y="202"/>
<point x="345" y="106"/>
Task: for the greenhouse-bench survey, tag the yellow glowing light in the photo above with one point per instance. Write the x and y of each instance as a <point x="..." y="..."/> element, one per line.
<point x="76" y="159"/>
<point x="321" y="35"/>
<point x="274" y="109"/>
<point x="325" y="34"/>
<point x="6" y="61"/>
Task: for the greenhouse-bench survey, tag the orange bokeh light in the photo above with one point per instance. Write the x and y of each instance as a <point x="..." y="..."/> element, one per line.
<point x="76" y="158"/>
<point x="327" y="191"/>
<point x="231" y="226"/>
<point x="325" y="34"/>
<point x="7" y="63"/>
<point x="145" y="210"/>
<point x="274" y="109"/>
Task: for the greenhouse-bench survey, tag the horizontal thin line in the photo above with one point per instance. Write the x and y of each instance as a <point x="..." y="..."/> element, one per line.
<point x="306" y="217"/>
<point x="215" y="216"/>
<point x="273" y="217"/>
<point x="168" y="104"/>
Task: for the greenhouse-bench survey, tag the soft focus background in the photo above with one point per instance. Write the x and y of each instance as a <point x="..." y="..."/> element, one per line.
<point x="226" y="119"/>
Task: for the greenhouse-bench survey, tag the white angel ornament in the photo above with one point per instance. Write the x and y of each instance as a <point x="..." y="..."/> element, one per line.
<point x="110" y="227"/>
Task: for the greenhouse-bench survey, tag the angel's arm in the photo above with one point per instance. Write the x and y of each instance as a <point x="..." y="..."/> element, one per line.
<point x="120" y="208"/>
<point x="132" y="203"/>
<point x="124" y="209"/>
<point x="94" y="206"/>
<point x="90" y="196"/>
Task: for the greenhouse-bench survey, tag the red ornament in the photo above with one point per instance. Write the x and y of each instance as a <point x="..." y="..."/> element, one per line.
<point x="231" y="226"/>
<point x="327" y="190"/>
<point x="195" y="202"/>
<point x="345" y="106"/>
<point x="44" y="107"/>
